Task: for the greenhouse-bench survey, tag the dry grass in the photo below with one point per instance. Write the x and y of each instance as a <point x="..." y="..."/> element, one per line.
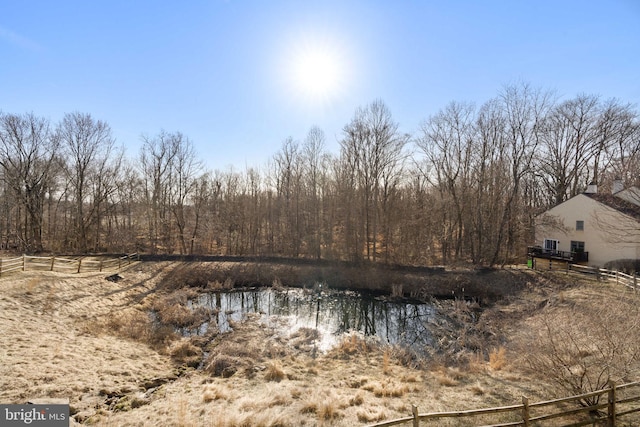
<point x="224" y="366"/>
<point x="477" y="389"/>
<point x="352" y="344"/>
<point x="274" y="371"/>
<point x="214" y="392"/>
<point x="91" y="341"/>
<point x="325" y="407"/>
<point x="498" y="358"/>
<point x="184" y="352"/>
<point x="476" y="362"/>
<point x="172" y="310"/>
<point x="388" y="388"/>
<point x="386" y="361"/>
<point x="357" y="399"/>
<point x="371" y="415"/>
<point x="397" y="290"/>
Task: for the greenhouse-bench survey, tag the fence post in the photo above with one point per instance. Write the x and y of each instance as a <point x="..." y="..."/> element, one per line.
<point x="23" y="262"/>
<point x="53" y="260"/>
<point x="100" y="268"/>
<point x="416" y="419"/>
<point x="611" y="407"/>
<point x="0" y="267"/>
<point x="525" y="411"/>
<point x="79" y="265"/>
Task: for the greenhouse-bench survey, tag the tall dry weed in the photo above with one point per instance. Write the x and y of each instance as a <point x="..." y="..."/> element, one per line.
<point x="397" y="290"/>
<point x="498" y="358"/>
<point x="386" y="361"/>
<point x="476" y="362"/>
<point x="274" y="371"/>
<point x="216" y="392"/>
<point x="351" y="344"/>
<point x="371" y="415"/>
<point x="387" y="388"/>
<point x="173" y="310"/>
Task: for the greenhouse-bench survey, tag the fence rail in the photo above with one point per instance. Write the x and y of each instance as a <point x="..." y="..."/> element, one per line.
<point x="65" y="265"/>
<point x="628" y="280"/>
<point x="617" y="402"/>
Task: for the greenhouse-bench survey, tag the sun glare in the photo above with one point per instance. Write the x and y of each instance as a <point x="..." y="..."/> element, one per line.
<point x="316" y="72"/>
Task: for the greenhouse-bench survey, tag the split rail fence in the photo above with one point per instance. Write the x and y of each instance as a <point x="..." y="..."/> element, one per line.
<point x="628" y="280"/>
<point x="65" y="265"/>
<point x="617" y="402"/>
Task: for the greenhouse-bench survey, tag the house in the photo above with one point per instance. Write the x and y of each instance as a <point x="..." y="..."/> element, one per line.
<point x="591" y="228"/>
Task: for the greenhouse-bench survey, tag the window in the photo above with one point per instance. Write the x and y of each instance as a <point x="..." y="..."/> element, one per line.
<point x="577" y="246"/>
<point x="551" y="245"/>
<point x="579" y="225"/>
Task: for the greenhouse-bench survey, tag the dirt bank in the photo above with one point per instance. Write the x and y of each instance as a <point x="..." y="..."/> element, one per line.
<point x="482" y="285"/>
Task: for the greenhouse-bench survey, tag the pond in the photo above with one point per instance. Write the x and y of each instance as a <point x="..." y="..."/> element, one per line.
<point x="332" y="313"/>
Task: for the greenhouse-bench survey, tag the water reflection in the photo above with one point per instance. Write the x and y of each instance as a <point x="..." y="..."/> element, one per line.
<point x="332" y="313"/>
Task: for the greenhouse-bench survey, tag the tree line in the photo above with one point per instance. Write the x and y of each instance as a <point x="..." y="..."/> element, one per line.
<point x="465" y="188"/>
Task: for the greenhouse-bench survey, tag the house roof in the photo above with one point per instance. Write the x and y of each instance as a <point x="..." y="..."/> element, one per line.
<point x="631" y="194"/>
<point x="617" y="203"/>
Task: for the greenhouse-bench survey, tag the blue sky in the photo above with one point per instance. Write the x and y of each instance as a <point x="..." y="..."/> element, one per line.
<point x="220" y="71"/>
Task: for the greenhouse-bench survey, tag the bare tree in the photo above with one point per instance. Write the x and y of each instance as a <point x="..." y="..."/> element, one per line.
<point x="28" y="150"/>
<point x="616" y="125"/>
<point x="88" y="147"/>
<point x="620" y="136"/>
<point x="124" y="222"/>
<point x="524" y="109"/>
<point x="568" y="142"/>
<point x="312" y="158"/>
<point x="288" y="182"/>
<point x="374" y="148"/>
<point x="446" y="141"/>
<point x="156" y="160"/>
<point x="184" y="169"/>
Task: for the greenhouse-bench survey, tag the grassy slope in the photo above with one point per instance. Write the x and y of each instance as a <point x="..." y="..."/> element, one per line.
<point x="81" y="337"/>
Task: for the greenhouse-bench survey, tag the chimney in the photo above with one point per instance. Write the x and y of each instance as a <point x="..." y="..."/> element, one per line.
<point x="617" y="186"/>
<point x="592" y="188"/>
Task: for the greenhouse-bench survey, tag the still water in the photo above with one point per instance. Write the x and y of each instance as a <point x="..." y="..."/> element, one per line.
<point x="332" y="313"/>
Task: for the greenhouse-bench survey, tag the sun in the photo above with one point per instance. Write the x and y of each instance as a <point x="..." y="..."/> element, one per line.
<point x="316" y="71"/>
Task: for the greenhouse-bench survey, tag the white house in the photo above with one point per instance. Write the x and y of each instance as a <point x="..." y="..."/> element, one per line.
<point x="591" y="228"/>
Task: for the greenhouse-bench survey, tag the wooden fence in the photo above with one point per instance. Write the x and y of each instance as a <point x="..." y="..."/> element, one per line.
<point x="65" y="265"/>
<point x="617" y="402"/>
<point x="630" y="281"/>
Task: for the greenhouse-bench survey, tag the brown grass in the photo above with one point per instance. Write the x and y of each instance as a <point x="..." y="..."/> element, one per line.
<point x="477" y="389"/>
<point x="352" y="344"/>
<point x="224" y="366"/>
<point x="386" y="361"/>
<point x="216" y="392"/>
<point x="371" y="415"/>
<point x="274" y="372"/>
<point x="172" y="310"/>
<point x="357" y="399"/>
<point x="184" y="352"/>
<point x="498" y="358"/>
<point x="476" y="362"/>
<point x="96" y="345"/>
